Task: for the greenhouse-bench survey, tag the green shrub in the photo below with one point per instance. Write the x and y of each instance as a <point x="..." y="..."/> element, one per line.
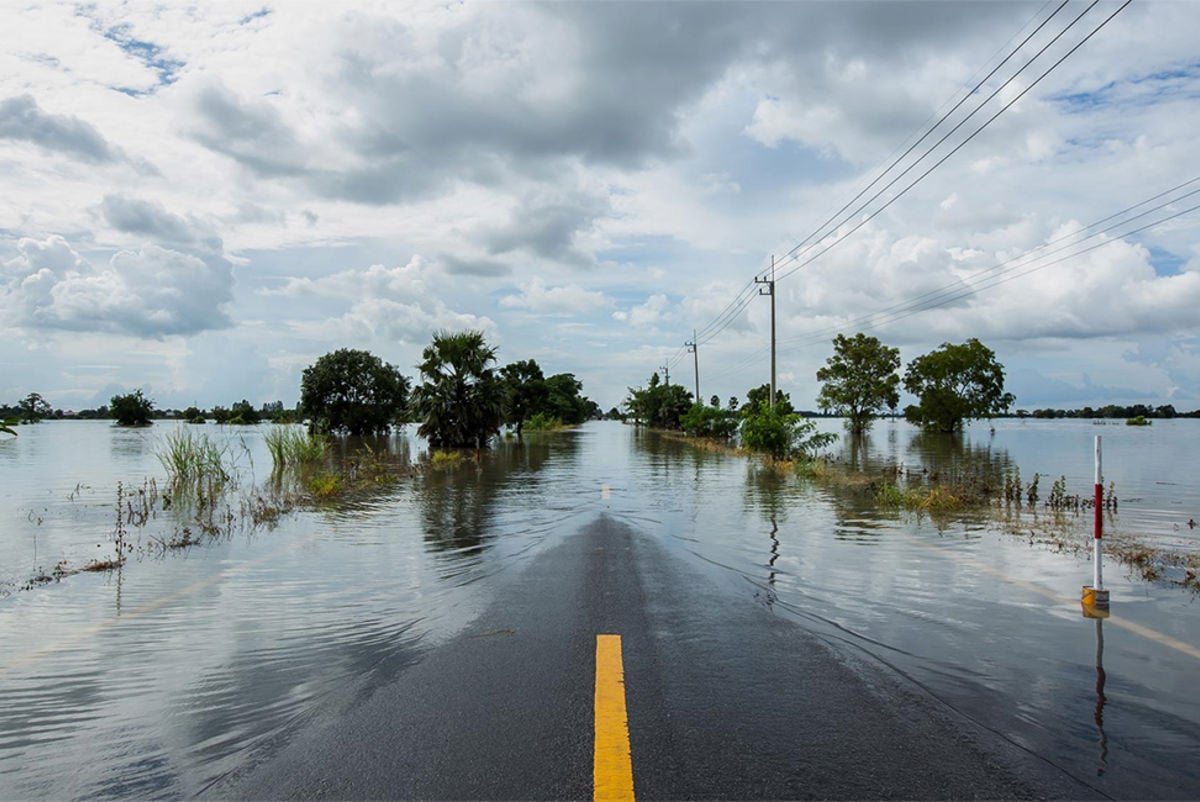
<point x="781" y="435"/>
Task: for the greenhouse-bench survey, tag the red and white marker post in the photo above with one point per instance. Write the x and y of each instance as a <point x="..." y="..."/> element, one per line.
<point x="1094" y="595"/>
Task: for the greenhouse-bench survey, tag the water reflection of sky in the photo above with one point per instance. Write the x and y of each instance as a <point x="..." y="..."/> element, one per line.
<point x="159" y="680"/>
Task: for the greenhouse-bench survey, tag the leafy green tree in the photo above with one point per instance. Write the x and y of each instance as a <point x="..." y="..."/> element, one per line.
<point x="352" y="392"/>
<point x="461" y="400"/>
<point x="783" y="402"/>
<point x="35" y="408"/>
<point x="859" y="380"/>
<point x="710" y="421"/>
<point x="243" y="413"/>
<point x="658" y="404"/>
<point x="131" y="409"/>
<point x="525" y="392"/>
<point x="780" y="434"/>
<point x="193" y="414"/>
<point x="953" y="384"/>
<point x="565" y="401"/>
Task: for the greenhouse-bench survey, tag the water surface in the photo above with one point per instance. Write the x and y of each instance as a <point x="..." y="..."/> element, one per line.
<point x="162" y="678"/>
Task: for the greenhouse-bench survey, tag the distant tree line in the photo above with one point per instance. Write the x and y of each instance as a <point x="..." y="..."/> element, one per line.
<point x="1109" y="411"/>
<point x="34" y="409"/>
<point x="462" y="401"/>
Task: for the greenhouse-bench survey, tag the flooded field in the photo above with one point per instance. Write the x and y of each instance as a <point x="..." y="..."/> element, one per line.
<point x="187" y="665"/>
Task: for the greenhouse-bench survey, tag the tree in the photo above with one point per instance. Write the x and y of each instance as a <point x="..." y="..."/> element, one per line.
<point x="780" y="434"/>
<point x="710" y="421"/>
<point x="525" y="392"/>
<point x="762" y="393"/>
<point x="659" y="405"/>
<point x="955" y="383"/>
<point x="34" y="408"/>
<point x="461" y="400"/>
<point x="131" y="409"/>
<point x="859" y="380"/>
<point x="564" y="400"/>
<point x="352" y="392"/>
<point x="243" y="413"/>
<point x="193" y="414"/>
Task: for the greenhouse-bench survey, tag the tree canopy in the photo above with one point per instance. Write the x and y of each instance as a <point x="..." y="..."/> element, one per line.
<point x="131" y="409"/>
<point x="762" y="393"/>
<point x="525" y="392"/>
<point x="658" y="404"/>
<point x="955" y="383"/>
<point x="779" y="433"/>
<point x="461" y="400"/>
<point x="35" y="408"/>
<point x="349" y="391"/>
<point x="859" y="380"/>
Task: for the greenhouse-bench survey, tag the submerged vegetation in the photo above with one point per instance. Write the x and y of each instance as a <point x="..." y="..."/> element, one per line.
<point x="291" y="446"/>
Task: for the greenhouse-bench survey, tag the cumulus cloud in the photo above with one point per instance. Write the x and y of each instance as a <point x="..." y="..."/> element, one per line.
<point x="480" y="268"/>
<point x="21" y="118"/>
<point x="547" y="227"/>
<point x="563" y="300"/>
<point x="393" y="321"/>
<point x="403" y="281"/>
<point x="150" y="292"/>
<point x="654" y="310"/>
<point x="152" y="220"/>
<point x="397" y="304"/>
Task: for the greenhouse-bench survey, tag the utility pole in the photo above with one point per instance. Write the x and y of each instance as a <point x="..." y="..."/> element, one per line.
<point x="694" y="349"/>
<point x="666" y="369"/>
<point x="770" y="290"/>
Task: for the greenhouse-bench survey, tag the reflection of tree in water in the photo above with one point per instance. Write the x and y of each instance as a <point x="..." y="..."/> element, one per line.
<point x="951" y="460"/>
<point x="458" y="504"/>
<point x="393" y="450"/>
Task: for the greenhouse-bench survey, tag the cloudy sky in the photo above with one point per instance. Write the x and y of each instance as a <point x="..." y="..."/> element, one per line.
<point x="200" y="201"/>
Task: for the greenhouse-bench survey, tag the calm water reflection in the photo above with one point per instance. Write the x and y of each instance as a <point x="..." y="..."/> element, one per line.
<point x="167" y="676"/>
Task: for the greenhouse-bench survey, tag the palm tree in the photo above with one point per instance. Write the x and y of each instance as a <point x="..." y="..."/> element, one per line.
<point x="460" y="402"/>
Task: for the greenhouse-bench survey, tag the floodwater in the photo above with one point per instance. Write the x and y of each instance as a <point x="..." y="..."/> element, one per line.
<point x="165" y="677"/>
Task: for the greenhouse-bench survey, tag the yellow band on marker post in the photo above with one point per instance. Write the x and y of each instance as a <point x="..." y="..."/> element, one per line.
<point x="612" y="772"/>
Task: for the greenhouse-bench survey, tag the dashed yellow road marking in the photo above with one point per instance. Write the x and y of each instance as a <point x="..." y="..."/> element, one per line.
<point x="612" y="772"/>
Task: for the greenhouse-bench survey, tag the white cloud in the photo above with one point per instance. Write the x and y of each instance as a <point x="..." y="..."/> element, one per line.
<point x="535" y="296"/>
<point x="150" y="292"/>
<point x="565" y="162"/>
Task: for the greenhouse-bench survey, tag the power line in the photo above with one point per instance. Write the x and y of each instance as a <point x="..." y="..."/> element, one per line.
<point x="1007" y="270"/>
<point x="816" y="233"/>
<point x="954" y="150"/>
<point x="731" y="312"/>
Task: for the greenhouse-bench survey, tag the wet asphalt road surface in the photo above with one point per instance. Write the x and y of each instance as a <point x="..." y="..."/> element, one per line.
<point x="726" y="699"/>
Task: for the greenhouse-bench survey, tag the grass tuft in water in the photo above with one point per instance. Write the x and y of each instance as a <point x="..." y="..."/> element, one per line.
<point x="292" y="447"/>
<point x="191" y="458"/>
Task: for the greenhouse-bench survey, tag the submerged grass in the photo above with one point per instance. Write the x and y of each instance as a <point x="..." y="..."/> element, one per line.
<point x="191" y="458"/>
<point x="291" y="446"/>
<point x="975" y="488"/>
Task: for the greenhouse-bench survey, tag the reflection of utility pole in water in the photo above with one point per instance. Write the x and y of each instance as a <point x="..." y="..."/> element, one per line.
<point x="771" y="562"/>
<point x="1100" y="699"/>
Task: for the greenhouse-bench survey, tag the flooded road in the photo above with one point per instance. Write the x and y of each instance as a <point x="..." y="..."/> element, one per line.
<point x="179" y="672"/>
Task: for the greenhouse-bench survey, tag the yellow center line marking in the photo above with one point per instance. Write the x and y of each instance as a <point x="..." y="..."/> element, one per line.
<point x="612" y="772"/>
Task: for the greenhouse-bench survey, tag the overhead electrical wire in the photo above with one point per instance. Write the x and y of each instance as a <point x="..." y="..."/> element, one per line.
<point x="816" y="233"/>
<point x="1026" y="263"/>
<point x="868" y="218"/>
<point x="799" y="255"/>
<point x="734" y="309"/>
